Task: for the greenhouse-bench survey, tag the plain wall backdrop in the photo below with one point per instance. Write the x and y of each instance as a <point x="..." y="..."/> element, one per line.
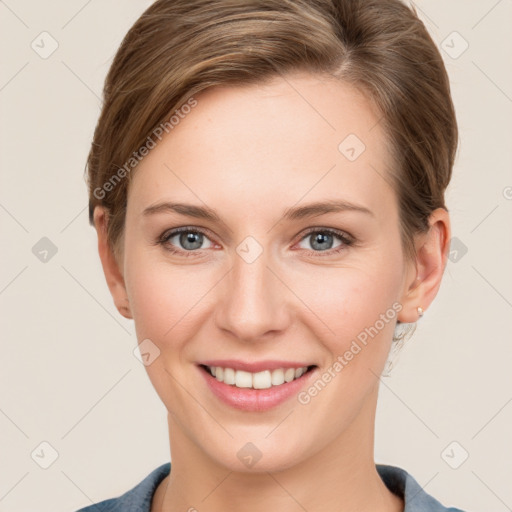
<point x="68" y="375"/>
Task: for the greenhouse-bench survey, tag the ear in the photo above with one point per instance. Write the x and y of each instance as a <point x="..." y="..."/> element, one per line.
<point x="424" y="277"/>
<point x="113" y="272"/>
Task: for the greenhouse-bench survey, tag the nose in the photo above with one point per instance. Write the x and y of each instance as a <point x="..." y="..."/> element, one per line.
<point x="252" y="301"/>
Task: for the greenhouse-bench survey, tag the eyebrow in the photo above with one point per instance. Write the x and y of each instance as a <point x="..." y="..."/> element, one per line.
<point x="293" y="213"/>
<point x="323" y="207"/>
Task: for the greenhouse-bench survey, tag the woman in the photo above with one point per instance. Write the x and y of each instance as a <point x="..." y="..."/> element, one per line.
<point x="267" y="183"/>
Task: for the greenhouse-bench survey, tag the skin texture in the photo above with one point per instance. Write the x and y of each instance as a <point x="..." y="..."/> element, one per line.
<point x="250" y="153"/>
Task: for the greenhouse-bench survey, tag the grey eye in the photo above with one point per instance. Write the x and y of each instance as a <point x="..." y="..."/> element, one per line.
<point x="321" y="240"/>
<point x="189" y="240"/>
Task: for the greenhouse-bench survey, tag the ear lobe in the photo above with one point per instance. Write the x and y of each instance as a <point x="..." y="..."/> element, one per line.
<point x="111" y="268"/>
<point x="431" y="257"/>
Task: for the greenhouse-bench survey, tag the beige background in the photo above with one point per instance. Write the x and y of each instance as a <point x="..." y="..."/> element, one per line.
<point x="68" y="376"/>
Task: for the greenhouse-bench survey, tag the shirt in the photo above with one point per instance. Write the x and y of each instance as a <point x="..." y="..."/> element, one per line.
<point x="397" y="480"/>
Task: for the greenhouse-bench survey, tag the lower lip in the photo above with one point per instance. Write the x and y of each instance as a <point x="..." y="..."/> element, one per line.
<point x="255" y="400"/>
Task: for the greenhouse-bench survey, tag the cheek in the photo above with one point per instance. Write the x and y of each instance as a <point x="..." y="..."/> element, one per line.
<point x="356" y="309"/>
<point x="356" y="315"/>
<point x="347" y="300"/>
<point x="162" y="298"/>
<point x="165" y="303"/>
<point x="170" y="302"/>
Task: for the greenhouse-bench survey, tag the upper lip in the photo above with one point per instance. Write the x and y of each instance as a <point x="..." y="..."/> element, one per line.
<point x="255" y="366"/>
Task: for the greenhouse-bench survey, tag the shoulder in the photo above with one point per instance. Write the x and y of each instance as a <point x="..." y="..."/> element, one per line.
<point x="137" y="499"/>
<point x="397" y="480"/>
<point x="400" y="482"/>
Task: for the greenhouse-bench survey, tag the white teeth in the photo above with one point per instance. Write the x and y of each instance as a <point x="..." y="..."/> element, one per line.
<point x="289" y="374"/>
<point x="262" y="380"/>
<point x="229" y="376"/>
<point x="243" y="379"/>
<point x="259" y="380"/>
<point x="277" y="377"/>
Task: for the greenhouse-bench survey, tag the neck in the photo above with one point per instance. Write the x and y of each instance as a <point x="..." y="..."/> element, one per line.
<point x="340" y="476"/>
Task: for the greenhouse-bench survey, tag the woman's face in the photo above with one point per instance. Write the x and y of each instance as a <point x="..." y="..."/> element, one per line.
<point x="265" y="276"/>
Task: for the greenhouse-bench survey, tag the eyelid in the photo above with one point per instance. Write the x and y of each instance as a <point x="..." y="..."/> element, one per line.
<point x="346" y="239"/>
<point x="172" y="232"/>
<point x="334" y="231"/>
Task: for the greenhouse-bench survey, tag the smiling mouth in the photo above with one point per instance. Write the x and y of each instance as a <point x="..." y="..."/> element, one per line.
<point x="258" y="380"/>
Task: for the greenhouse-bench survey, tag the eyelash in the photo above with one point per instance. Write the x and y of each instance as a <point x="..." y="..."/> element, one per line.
<point x="346" y="240"/>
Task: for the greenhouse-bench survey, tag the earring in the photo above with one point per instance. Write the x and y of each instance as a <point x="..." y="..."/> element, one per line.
<point x="420" y="311"/>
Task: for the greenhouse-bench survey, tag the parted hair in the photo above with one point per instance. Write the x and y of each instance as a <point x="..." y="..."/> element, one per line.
<point x="178" y="48"/>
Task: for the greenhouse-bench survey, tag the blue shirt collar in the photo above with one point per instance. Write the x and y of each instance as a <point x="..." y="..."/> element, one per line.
<point x="396" y="479"/>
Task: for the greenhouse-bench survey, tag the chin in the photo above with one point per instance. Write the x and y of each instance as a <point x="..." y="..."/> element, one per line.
<point x="255" y="454"/>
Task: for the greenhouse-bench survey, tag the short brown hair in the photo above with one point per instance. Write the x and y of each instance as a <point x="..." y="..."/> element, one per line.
<point x="178" y="48"/>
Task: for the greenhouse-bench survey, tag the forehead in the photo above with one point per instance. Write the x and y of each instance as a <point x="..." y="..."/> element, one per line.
<point x="289" y="137"/>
